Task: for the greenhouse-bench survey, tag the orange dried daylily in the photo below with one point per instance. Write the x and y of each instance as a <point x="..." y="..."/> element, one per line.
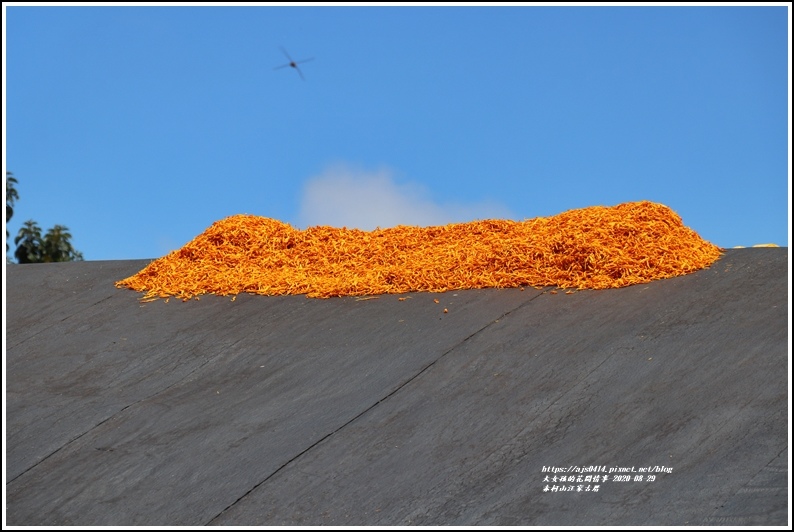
<point x="590" y="248"/>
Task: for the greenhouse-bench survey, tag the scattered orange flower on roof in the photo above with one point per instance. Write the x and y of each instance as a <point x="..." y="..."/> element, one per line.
<point x="590" y="248"/>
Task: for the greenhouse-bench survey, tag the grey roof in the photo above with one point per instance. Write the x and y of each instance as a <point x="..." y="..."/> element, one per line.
<point x="349" y="411"/>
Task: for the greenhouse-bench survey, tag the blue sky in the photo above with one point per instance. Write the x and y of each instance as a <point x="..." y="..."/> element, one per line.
<point x="137" y="127"/>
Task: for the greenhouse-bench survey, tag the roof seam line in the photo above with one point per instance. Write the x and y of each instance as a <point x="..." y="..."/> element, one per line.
<point x="366" y="410"/>
<point x="141" y="400"/>
<point x="60" y="321"/>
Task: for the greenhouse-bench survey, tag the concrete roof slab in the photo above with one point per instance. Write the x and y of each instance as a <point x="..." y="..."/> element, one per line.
<point x="354" y="411"/>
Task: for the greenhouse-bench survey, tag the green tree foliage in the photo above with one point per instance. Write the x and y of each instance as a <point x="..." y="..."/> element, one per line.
<point x="29" y="243"/>
<point x="58" y="246"/>
<point x="11" y="197"/>
<point x="54" y="246"/>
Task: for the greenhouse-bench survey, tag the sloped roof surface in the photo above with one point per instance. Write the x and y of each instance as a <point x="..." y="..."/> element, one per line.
<point x="350" y="411"/>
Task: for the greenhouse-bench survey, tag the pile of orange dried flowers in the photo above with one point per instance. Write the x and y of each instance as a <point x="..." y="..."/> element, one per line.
<point x="595" y="247"/>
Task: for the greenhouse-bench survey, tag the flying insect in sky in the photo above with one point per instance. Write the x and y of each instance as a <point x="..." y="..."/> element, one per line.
<point x="293" y="64"/>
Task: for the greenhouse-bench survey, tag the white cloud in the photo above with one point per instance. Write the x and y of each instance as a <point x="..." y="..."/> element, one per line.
<point x="346" y="197"/>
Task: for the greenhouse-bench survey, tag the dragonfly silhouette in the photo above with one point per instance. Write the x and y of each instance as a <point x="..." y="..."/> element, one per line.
<point x="293" y="64"/>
